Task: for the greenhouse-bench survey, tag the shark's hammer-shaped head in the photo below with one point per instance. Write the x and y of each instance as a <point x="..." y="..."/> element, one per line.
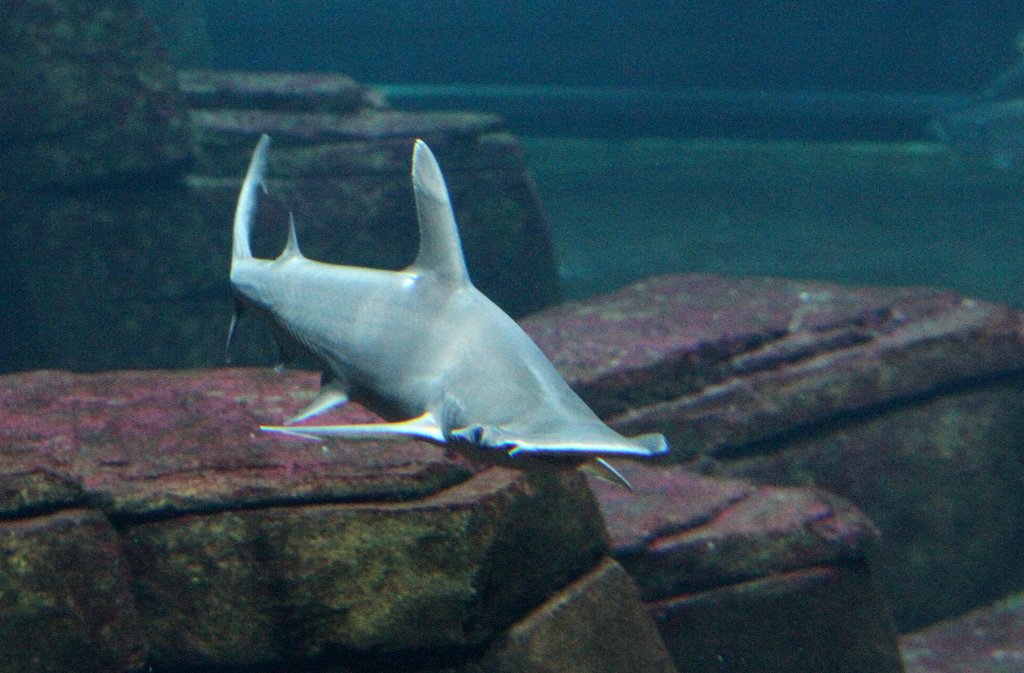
<point x="422" y="346"/>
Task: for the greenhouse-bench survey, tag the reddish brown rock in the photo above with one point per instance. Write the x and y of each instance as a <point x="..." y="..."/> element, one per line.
<point x="941" y="478"/>
<point x="987" y="640"/>
<point x="155" y="443"/>
<point x="905" y="401"/>
<point x="744" y="578"/>
<point x="143" y="515"/>
<point x="699" y="356"/>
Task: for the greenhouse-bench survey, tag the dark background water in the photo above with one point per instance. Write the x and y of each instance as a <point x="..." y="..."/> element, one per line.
<point x="867" y="45"/>
<point x="619" y="74"/>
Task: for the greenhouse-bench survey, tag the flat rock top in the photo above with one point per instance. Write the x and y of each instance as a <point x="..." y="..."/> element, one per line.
<point x="679" y="531"/>
<point x="717" y="363"/>
<point x="143" y="442"/>
<point x="712" y="319"/>
<point x="140" y="443"/>
<point x="989" y="640"/>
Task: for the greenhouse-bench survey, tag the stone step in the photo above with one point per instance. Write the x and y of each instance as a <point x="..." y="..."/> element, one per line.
<point x="298" y="92"/>
<point x="245" y="549"/>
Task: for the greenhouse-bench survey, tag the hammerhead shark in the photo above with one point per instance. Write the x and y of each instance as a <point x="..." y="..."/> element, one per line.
<point x="421" y="347"/>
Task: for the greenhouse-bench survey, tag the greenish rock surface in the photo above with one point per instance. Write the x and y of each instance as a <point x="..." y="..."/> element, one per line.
<point x="145" y="520"/>
<point x="443" y="572"/>
<point x="600" y="607"/>
<point x="86" y="95"/>
<point x="66" y="596"/>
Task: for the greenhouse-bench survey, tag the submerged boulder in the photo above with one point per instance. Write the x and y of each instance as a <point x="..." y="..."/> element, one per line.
<point x="986" y="640"/>
<point x="746" y="579"/>
<point x="906" y="401"/>
<point x="198" y="541"/>
<point x="86" y="95"/>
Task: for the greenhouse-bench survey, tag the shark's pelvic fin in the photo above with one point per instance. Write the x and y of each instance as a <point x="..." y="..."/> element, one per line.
<point x="440" y="248"/>
<point x="421" y="427"/>
<point x="601" y="469"/>
<point x="333" y="392"/>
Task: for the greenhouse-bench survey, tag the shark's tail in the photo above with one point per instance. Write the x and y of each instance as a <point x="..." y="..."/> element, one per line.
<point x="247" y="199"/>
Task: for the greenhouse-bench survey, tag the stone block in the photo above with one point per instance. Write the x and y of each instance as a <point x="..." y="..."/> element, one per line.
<point x="147" y="521"/>
<point x="987" y="640"/>
<point x="86" y="95"/>
<point x="906" y="401"/>
<point x="742" y="578"/>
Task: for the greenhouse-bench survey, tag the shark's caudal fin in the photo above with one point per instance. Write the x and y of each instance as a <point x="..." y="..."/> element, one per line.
<point x="440" y="249"/>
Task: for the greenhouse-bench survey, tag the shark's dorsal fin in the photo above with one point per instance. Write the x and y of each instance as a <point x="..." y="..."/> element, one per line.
<point x="440" y="248"/>
<point x="247" y="198"/>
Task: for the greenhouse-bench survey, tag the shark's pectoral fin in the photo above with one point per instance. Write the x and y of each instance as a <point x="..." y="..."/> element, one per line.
<point x="333" y="392"/>
<point x="601" y="469"/>
<point x="421" y="427"/>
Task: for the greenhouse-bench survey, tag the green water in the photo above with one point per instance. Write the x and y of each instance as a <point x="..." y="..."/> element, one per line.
<point x="855" y="213"/>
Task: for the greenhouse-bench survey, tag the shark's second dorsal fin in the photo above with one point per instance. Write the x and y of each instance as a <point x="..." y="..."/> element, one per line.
<point x="291" y="248"/>
<point x="440" y="248"/>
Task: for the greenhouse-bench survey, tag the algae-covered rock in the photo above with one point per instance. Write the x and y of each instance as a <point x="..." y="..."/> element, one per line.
<point x="145" y="517"/>
<point x="65" y="592"/>
<point x="86" y="94"/>
<point x="558" y="637"/>
<point x="447" y="571"/>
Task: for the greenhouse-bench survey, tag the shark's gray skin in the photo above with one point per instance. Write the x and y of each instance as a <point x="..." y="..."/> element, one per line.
<point x="421" y="347"/>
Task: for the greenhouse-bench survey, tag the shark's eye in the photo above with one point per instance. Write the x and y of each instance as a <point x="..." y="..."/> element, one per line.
<point x="476" y="434"/>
